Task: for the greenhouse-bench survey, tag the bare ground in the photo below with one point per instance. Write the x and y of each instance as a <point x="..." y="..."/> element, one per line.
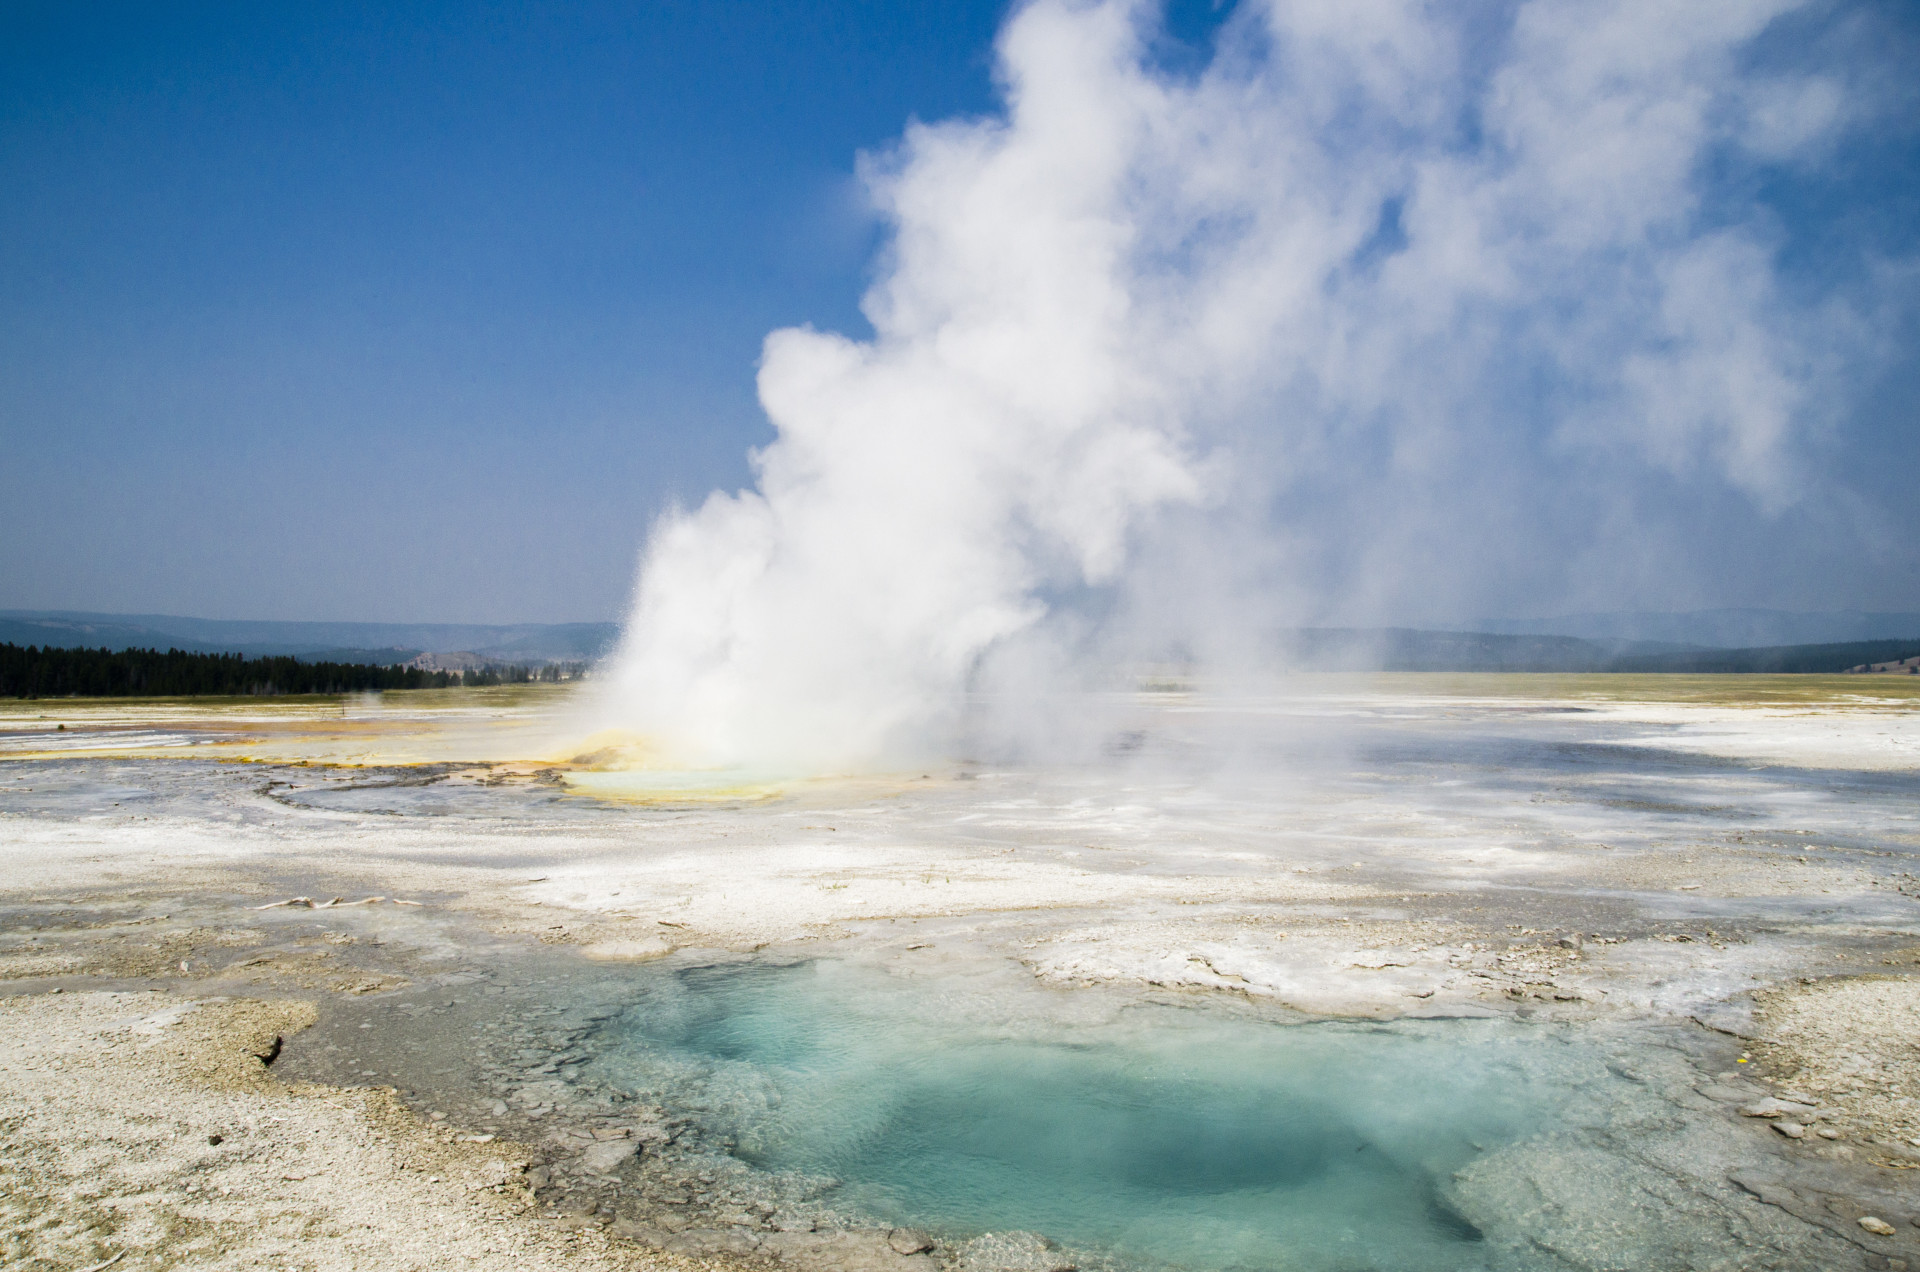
<point x="143" y="1130"/>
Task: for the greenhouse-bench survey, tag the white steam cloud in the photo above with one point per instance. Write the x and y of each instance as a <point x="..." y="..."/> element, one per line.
<point x="1335" y="323"/>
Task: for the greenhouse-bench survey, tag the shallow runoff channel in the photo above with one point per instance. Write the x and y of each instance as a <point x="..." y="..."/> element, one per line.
<point x="808" y="1108"/>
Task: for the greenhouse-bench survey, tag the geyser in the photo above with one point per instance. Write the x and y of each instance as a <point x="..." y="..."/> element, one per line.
<point x="1389" y="305"/>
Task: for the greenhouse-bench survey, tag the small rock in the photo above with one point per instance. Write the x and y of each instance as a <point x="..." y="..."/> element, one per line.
<point x="606" y="1156"/>
<point x="1771" y="1107"/>
<point x="851" y="1251"/>
<point x="1792" y="1130"/>
<point x="1878" y="1227"/>
<point x="644" y="1234"/>
<point x="909" y="1241"/>
<point x="701" y="1241"/>
<point x="1012" y="1252"/>
<point x="1827" y="1132"/>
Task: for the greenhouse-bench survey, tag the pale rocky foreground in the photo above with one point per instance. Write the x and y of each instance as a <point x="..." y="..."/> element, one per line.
<point x="142" y="1127"/>
<point x="1748" y="865"/>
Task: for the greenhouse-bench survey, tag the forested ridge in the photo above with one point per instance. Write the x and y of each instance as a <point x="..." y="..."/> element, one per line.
<point x="31" y="671"/>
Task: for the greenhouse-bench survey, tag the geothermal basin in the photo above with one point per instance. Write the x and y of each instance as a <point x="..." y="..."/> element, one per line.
<point x="1388" y="972"/>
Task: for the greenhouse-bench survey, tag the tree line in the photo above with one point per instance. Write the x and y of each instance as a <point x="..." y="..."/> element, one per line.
<point x="1776" y="659"/>
<point x="34" y="672"/>
<point x="1411" y="649"/>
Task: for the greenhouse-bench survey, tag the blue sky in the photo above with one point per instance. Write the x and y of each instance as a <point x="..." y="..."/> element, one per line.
<point x="423" y="313"/>
<point x="382" y="311"/>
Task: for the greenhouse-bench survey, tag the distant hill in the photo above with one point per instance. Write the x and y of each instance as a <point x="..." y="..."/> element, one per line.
<point x="1410" y="649"/>
<point x="1717" y="629"/>
<point x="1314" y="648"/>
<point x="371" y="643"/>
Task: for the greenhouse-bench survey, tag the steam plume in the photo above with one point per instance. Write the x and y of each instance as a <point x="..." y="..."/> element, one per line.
<point x="1334" y="323"/>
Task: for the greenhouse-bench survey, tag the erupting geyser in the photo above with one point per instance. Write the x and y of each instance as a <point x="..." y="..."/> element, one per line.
<point x="1381" y="304"/>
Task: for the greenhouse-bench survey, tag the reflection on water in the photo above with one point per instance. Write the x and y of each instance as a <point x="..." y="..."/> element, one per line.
<point x="1170" y="1133"/>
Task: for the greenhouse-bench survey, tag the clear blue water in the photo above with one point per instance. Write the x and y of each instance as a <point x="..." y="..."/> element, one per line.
<point x="1178" y="1133"/>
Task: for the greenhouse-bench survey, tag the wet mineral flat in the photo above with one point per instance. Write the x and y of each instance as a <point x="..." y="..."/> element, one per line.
<point x="1578" y="921"/>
